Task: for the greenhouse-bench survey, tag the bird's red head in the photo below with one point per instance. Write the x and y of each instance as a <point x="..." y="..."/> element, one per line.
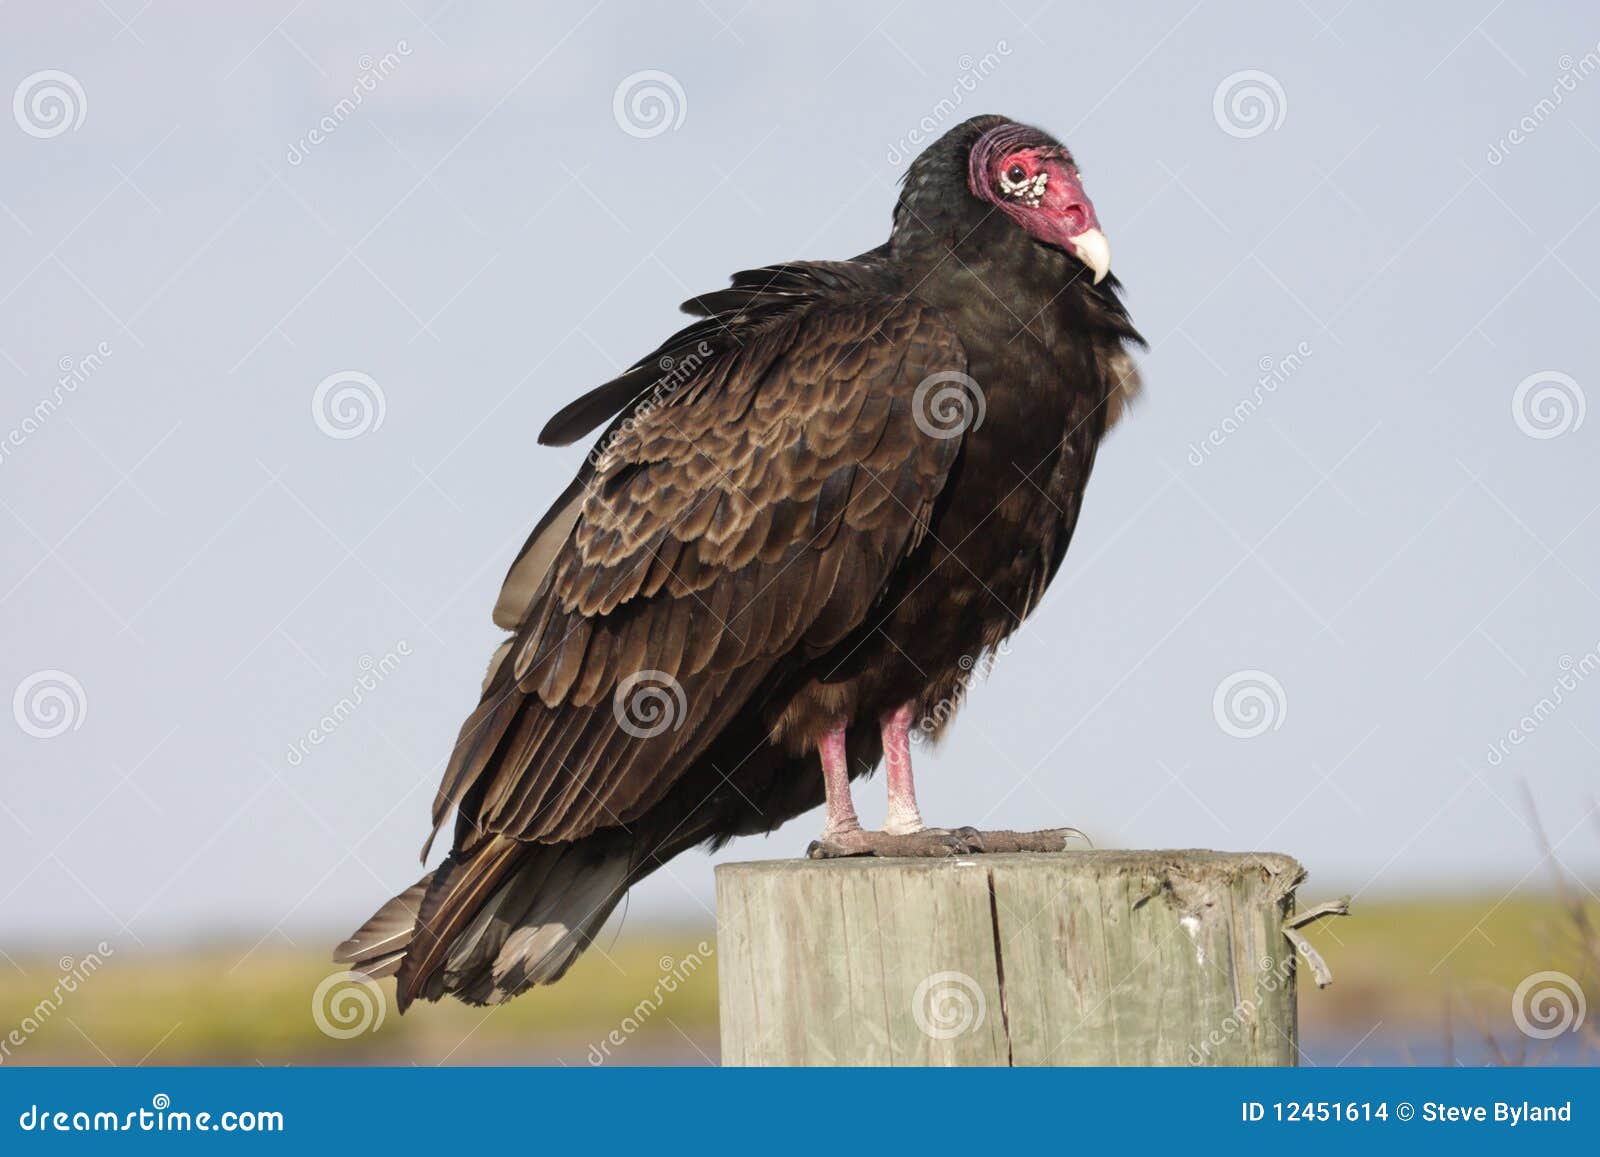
<point x="1035" y="182"/>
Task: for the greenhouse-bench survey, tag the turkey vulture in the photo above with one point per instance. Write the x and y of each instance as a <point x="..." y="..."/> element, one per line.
<point x="812" y="511"/>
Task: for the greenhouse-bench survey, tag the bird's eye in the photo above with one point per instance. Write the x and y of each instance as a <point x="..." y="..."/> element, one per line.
<point x="1015" y="174"/>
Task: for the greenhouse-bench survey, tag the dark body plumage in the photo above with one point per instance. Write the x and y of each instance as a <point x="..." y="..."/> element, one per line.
<point x="766" y="525"/>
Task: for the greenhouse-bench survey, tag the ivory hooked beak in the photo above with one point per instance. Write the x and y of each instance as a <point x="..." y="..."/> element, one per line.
<point x="1092" y="248"/>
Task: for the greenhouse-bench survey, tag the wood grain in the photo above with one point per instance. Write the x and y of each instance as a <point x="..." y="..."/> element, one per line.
<point x="1082" y="958"/>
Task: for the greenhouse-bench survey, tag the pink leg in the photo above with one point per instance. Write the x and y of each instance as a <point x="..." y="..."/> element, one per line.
<point x="836" y="782"/>
<point x="904" y="833"/>
<point x="904" y="817"/>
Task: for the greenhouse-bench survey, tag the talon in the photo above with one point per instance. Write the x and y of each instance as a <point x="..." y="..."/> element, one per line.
<point x="927" y="843"/>
<point x="1047" y="841"/>
<point x="1070" y="832"/>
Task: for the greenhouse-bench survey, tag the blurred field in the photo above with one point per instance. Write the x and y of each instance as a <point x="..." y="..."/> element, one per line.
<point x="1415" y="981"/>
<point x="225" y="1004"/>
<point x="1432" y="981"/>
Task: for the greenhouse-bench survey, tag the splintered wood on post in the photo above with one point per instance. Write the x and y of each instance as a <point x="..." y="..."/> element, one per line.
<point x="1082" y="958"/>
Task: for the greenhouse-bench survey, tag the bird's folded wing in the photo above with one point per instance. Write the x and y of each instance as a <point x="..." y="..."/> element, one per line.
<point x="757" y="511"/>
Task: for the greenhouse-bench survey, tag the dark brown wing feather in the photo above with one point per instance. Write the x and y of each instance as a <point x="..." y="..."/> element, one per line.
<point x="762" y="510"/>
<point x="755" y="298"/>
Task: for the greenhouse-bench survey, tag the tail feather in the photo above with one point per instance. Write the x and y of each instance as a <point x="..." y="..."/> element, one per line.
<point x="578" y="896"/>
<point x="489" y="925"/>
<point x="459" y="889"/>
<point x="378" y="967"/>
<point x="387" y="933"/>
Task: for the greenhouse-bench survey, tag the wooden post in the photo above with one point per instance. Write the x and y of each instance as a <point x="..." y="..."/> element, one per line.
<point x="1081" y="958"/>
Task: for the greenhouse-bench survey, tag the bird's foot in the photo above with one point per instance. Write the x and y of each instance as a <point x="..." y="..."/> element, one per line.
<point x="929" y="842"/>
<point x="937" y="842"/>
<point x="1047" y="840"/>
